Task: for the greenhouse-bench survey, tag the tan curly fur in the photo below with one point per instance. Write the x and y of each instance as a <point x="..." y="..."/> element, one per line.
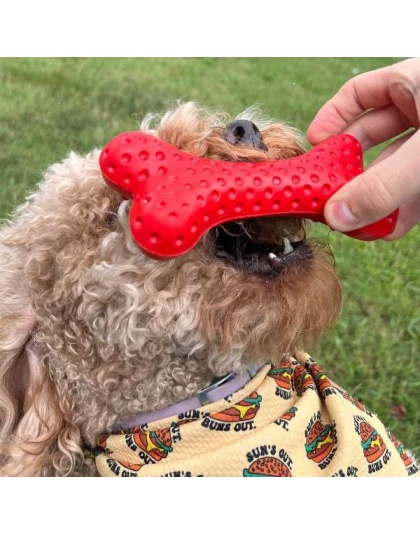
<point x="92" y="330"/>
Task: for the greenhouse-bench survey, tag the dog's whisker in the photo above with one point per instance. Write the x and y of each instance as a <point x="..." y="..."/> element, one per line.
<point x="223" y="227"/>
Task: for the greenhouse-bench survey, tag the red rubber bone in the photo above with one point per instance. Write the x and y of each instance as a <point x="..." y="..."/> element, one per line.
<point x="178" y="197"/>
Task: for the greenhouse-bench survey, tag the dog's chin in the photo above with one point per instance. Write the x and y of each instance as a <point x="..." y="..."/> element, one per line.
<point x="235" y="244"/>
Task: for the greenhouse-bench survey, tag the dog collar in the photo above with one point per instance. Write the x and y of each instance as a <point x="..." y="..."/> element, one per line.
<point x="221" y="388"/>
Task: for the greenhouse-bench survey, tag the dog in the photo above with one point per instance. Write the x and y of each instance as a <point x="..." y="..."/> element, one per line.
<point x="115" y="363"/>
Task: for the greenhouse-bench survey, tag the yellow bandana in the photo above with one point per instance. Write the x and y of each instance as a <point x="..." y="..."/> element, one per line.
<point x="289" y="420"/>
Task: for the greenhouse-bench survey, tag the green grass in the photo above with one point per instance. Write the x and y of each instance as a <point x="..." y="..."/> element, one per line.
<point x="51" y="106"/>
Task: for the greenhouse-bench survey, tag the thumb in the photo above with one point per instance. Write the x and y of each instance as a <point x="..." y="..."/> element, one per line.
<point x="378" y="191"/>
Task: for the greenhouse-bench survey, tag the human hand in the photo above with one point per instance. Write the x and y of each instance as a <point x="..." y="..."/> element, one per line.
<point x="375" y="107"/>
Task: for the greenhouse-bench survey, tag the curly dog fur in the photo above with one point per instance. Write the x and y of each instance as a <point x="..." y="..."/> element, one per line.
<point x="92" y="330"/>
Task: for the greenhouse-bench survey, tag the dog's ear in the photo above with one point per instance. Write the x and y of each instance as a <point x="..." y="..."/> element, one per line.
<point x="35" y="438"/>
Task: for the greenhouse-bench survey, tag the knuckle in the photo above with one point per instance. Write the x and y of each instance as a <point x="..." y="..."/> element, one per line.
<point x="406" y="79"/>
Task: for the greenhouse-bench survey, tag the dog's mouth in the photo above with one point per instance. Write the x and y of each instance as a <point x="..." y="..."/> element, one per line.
<point x="264" y="246"/>
<point x="241" y="245"/>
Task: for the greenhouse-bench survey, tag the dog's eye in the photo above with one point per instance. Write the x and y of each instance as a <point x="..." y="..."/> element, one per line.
<point x="110" y="218"/>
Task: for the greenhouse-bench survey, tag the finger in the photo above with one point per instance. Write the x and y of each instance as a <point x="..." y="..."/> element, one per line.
<point x="378" y="191"/>
<point x="349" y="102"/>
<point x="374" y="89"/>
<point x="409" y="217"/>
<point x="378" y="125"/>
<point x="391" y="148"/>
<point x="404" y="89"/>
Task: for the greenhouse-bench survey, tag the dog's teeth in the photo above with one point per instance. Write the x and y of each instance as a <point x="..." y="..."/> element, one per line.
<point x="272" y="256"/>
<point x="287" y="246"/>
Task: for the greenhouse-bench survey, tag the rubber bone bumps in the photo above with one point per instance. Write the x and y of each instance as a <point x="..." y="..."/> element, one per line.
<point x="178" y="197"/>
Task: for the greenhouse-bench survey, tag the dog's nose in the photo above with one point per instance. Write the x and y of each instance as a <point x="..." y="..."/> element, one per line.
<point x="243" y="132"/>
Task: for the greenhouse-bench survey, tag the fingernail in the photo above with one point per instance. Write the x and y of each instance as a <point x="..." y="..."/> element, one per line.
<point x="340" y="217"/>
